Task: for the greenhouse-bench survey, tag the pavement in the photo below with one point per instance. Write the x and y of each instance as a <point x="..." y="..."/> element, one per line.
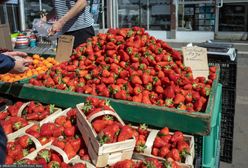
<point x="240" y="138"/>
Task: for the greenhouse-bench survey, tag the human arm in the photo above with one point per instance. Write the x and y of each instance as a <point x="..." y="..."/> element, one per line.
<point x="6" y="63"/>
<point x="74" y="11"/>
<point x="13" y="62"/>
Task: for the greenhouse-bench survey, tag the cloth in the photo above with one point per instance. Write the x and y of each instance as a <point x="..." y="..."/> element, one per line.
<point x="82" y="20"/>
<point x="81" y="35"/>
<point x="6" y="63"/>
<point x="3" y="143"/>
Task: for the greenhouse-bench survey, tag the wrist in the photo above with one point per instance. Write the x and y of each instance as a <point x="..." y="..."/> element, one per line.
<point x="62" y="21"/>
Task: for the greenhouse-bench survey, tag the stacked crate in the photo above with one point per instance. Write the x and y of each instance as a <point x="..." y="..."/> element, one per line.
<point x="228" y="79"/>
<point x="225" y="56"/>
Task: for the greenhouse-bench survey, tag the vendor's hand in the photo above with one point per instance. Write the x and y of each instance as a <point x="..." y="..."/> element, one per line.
<point x="56" y="27"/>
<point x="13" y="54"/>
<point x="21" y="65"/>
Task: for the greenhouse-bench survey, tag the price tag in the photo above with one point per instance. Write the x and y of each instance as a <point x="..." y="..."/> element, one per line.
<point x="64" y="49"/>
<point x="196" y="58"/>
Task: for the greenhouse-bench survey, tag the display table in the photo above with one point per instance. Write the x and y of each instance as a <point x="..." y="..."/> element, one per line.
<point x="41" y="49"/>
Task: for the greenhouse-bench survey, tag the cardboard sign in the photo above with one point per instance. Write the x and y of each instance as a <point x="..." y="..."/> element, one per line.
<point x="196" y="58"/>
<point x="64" y="49"/>
<point x="5" y="37"/>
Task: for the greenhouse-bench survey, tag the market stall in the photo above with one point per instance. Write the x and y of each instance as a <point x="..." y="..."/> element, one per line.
<point x="113" y="80"/>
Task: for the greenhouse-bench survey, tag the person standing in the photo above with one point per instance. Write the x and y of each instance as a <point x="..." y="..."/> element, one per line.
<point x="74" y="18"/>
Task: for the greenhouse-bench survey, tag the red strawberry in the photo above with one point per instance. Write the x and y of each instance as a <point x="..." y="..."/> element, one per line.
<point x="179" y="99"/>
<point x="174" y="154"/>
<point x="146" y="78"/>
<point x="138" y="98"/>
<point x="169" y="92"/>
<point x="164" y="151"/>
<point x="142" y="130"/>
<point x="125" y="133"/>
<point x="177" y="136"/>
<point x="159" y="89"/>
<point x="155" y="151"/>
<point x="158" y="142"/>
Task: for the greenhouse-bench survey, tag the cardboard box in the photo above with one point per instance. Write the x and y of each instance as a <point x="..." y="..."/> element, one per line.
<point x="5" y="37"/>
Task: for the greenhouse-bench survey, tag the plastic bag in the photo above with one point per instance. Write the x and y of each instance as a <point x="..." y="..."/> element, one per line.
<point x="41" y="27"/>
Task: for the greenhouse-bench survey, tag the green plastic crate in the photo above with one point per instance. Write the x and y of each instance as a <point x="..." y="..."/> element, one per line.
<point x="211" y="143"/>
<point x="5" y="87"/>
<point x="198" y="123"/>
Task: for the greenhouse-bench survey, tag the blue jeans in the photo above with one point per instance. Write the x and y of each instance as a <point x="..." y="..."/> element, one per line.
<point x="3" y="143"/>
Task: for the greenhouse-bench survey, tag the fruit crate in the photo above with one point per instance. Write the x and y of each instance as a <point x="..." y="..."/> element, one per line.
<point x="207" y="148"/>
<point x="103" y="154"/>
<point x="228" y="77"/>
<point x="187" y="163"/>
<point x="5" y="87"/>
<point x="228" y="69"/>
<point x="195" y="123"/>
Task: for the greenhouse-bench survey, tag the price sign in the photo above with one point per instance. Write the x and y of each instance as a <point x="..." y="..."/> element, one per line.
<point x="64" y="49"/>
<point x="196" y="58"/>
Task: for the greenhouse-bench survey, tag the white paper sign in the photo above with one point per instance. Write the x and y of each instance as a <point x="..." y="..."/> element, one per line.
<point x="196" y="58"/>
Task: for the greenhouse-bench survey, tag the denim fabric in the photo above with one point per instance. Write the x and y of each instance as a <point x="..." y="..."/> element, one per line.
<point x="3" y="143"/>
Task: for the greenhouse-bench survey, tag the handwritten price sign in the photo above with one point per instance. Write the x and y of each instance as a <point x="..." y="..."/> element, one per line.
<point x="196" y="58"/>
<point x="64" y="49"/>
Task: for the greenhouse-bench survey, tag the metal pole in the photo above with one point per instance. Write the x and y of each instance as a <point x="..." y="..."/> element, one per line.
<point x="103" y="16"/>
<point x="14" y="17"/>
<point x="6" y="17"/>
<point x="22" y="15"/>
<point x="40" y="4"/>
<point x="148" y="15"/>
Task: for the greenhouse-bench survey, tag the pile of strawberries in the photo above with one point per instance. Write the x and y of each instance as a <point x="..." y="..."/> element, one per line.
<point x="165" y="145"/>
<point x="148" y="163"/>
<point x="49" y="159"/>
<point x="108" y="128"/>
<point x="35" y="111"/>
<point x="19" y="148"/>
<point x="63" y="133"/>
<point x="129" y="64"/>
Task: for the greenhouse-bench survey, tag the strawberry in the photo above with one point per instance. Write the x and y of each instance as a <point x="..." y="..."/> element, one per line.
<point x="183" y="146"/>
<point x="179" y="98"/>
<point x="146" y="78"/>
<point x="155" y="151"/>
<point x="125" y="133"/>
<point x="121" y="95"/>
<point x="212" y="69"/>
<point x="164" y="151"/>
<point x="25" y="141"/>
<point x="198" y="105"/>
<point x="44" y="154"/>
<point x="159" y="89"/>
<point x="47" y="129"/>
<point x="99" y="125"/>
<point x="70" y="131"/>
<point x="177" y="136"/>
<point x="69" y="150"/>
<point x="169" y="92"/>
<point x="189" y="107"/>
<point x="181" y="106"/>
<point x="142" y="130"/>
<point x="124" y="164"/>
<point x="138" y="98"/>
<point x="107" y="135"/>
<point x="174" y="154"/>
<point x="158" y="142"/>
<point x="164" y="132"/>
<point x="59" y="143"/>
